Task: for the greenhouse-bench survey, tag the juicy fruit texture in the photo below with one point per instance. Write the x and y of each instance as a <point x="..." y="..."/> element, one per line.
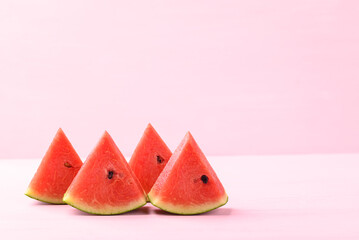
<point x="188" y="184"/>
<point x="57" y="169"/>
<point x="149" y="158"/>
<point x="105" y="184"/>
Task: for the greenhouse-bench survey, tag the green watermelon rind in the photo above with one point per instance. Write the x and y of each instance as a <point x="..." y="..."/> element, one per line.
<point x="103" y="214"/>
<point x="194" y="213"/>
<point x="45" y="201"/>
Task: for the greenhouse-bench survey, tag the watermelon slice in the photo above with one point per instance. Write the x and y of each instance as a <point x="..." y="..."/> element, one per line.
<point x="188" y="184"/>
<point x="57" y="169"/>
<point x="149" y="158"/>
<point x="105" y="184"/>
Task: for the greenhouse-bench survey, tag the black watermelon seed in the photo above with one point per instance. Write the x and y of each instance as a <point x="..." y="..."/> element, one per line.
<point x="68" y="165"/>
<point x="110" y="174"/>
<point x="160" y="159"/>
<point x="204" y="179"/>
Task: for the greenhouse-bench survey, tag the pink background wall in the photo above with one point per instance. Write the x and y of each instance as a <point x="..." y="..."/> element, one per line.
<point x="245" y="77"/>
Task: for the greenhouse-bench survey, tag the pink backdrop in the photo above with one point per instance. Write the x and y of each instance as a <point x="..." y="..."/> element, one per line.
<point x="245" y="77"/>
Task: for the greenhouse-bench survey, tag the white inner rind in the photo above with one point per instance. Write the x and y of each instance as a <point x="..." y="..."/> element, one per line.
<point x="29" y="192"/>
<point x="188" y="209"/>
<point x="105" y="208"/>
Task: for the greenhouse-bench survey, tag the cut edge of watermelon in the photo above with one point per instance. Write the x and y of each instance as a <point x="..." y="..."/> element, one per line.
<point x="105" y="210"/>
<point x="186" y="210"/>
<point x="30" y="193"/>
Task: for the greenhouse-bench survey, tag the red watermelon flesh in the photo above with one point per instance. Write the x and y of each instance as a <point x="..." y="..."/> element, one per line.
<point x="149" y="158"/>
<point x="105" y="184"/>
<point x="188" y="183"/>
<point x="57" y="169"/>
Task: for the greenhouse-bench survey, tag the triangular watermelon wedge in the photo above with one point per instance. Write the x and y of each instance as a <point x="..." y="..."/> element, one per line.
<point x="188" y="184"/>
<point x="149" y="158"/>
<point x="105" y="184"/>
<point x="57" y="169"/>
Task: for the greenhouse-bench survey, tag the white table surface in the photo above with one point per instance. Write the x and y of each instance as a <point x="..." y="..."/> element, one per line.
<point x="270" y="197"/>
